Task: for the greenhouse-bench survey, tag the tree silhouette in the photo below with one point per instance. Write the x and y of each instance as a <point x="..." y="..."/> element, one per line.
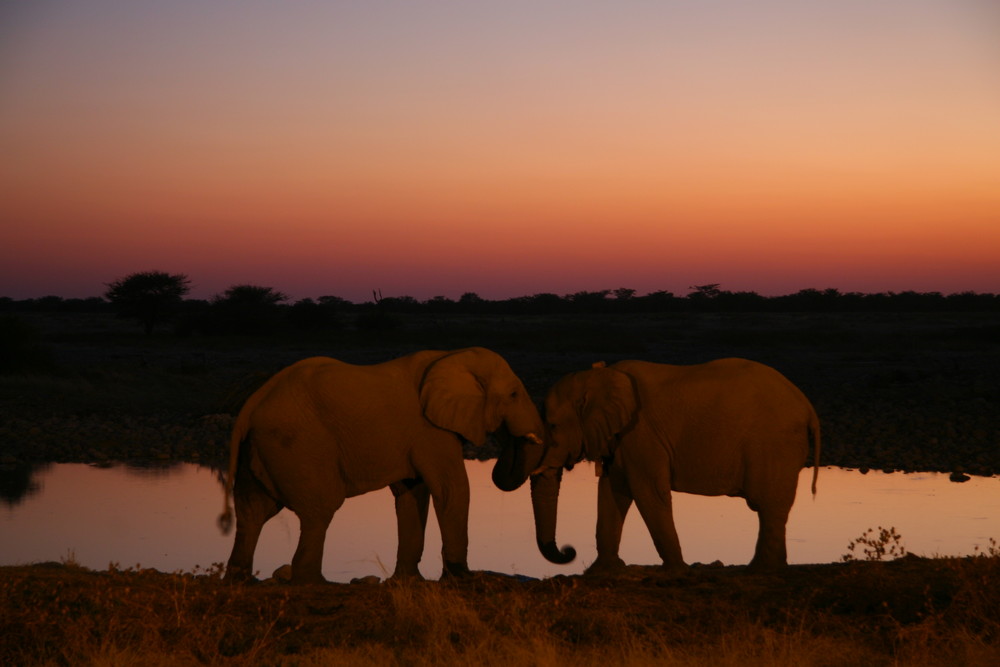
<point x="248" y="309"/>
<point x="709" y="291"/>
<point x="251" y="295"/>
<point x="148" y="296"/>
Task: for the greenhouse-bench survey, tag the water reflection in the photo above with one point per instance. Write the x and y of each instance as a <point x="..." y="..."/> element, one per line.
<point x="165" y="518"/>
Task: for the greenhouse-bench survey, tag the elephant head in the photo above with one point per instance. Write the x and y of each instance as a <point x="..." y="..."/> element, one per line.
<point x="584" y="412"/>
<point x="473" y="392"/>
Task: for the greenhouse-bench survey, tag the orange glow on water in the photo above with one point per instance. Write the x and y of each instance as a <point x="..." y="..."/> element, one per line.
<point x="102" y="515"/>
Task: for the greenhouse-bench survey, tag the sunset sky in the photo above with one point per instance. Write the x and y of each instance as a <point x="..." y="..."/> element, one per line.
<point x="503" y="148"/>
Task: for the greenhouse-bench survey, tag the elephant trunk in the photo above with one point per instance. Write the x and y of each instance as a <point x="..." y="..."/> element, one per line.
<point x="518" y="458"/>
<point x="545" y="501"/>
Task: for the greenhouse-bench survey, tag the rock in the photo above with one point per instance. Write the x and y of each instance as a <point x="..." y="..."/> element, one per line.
<point x="283" y="573"/>
<point x="370" y="579"/>
<point x="958" y="476"/>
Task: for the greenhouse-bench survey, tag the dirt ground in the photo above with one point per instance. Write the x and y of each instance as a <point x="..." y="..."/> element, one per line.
<point x="909" y="611"/>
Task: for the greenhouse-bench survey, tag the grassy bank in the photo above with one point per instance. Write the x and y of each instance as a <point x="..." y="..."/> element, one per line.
<point x="905" y="612"/>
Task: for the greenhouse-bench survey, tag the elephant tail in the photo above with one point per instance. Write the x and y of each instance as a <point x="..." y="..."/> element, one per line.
<point x="240" y="430"/>
<point x="814" y="431"/>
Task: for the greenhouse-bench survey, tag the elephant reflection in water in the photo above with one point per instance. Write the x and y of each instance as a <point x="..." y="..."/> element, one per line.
<point x="322" y="430"/>
<point x="729" y="427"/>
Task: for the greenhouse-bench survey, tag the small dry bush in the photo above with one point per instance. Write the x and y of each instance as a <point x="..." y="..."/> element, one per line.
<point x="886" y="544"/>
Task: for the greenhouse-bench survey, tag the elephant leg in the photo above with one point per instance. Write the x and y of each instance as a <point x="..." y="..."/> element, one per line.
<point x="772" y="498"/>
<point x="449" y="488"/>
<point x="412" y="502"/>
<point x="614" y="499"/>
<point x="770" y="552"/>
<point x="253" y="509"/>
<point x="307" y="563"/>
<point x="656" y="507"/>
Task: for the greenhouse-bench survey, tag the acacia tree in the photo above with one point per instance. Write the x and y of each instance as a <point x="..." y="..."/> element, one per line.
<point x="702" y="292"/>
<point x="148" y="296"/>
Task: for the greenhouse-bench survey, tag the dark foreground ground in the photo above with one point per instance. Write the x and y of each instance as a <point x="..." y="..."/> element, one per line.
<point x="902" y="391"/>
<point x="904" y="612"/>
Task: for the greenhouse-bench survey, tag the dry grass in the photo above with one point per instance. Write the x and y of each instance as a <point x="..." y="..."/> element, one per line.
<point x="904" y="612"/>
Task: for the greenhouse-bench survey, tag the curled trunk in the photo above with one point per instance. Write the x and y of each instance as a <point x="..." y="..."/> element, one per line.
<point x="545" y="503"/>
<point x="518" y="458"/>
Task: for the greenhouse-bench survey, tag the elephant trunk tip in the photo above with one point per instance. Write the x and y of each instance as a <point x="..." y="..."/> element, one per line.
<point x="554" y="554"/>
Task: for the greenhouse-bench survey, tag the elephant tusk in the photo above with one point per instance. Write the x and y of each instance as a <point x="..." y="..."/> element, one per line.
<point x="539" y="471"/>
<point x="533" y="438"/>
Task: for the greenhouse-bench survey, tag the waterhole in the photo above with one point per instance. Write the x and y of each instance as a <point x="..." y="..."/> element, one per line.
<point x="164" y="518"/>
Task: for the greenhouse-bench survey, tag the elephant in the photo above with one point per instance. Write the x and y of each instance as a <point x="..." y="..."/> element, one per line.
<point x="322" y="430"/>
<point x="729" y="427"/>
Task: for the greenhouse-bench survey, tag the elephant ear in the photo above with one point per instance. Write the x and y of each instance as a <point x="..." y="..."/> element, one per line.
<point x="453" y="397"/>
<point x="609" y="404"/>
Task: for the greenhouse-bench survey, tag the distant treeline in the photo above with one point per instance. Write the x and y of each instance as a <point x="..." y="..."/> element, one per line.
<point x="252" y="310"/>
<point x="703" y="298"/>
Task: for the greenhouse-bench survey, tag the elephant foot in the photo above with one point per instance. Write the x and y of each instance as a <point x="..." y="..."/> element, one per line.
<point x="605" y="567"/>
<point x="455" y="570"/>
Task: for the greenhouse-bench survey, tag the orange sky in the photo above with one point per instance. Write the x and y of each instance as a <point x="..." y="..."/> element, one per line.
<point x="501" y="148"/>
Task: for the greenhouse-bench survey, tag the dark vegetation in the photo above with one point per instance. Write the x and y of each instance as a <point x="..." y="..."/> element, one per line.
<point x="900" y="381"/>
<point x="148" y="296"/>
<point x="155" y="298"/>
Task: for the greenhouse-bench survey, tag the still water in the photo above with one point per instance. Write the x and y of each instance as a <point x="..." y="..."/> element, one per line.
<point x="165" y="519"/>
